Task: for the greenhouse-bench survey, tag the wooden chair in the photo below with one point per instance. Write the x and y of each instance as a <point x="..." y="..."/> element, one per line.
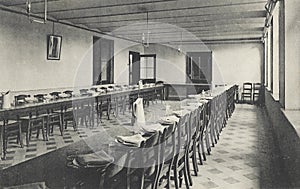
<point x="149" y="165"/>
<point x="20" y="99"/>
<point x="92" y="168"/>
<point x="32" y="120"/>
<point x="167" y="153"/>
<point x="82" y="110"/>
<point x="116" y="173"/>
<point x="247" y="92"/>
<point x="66" y="114"/>
<point x="40" y="97"/>
<point x="11" y="128"/>
<point x="200" y="138"/>
<point x="84" y="92"/>
<point x="138" y="166"/>
<point x="159" y="93"/>
<point x="194" y="128"/>
<point x="68" y="92"/>
<point x="55" y="94"/>
<point x="54" y="119"/>
<point x="181" y="153"/>
<point x="103" y="104"/>
<point x="206" y="128"/>
<point x="118" y="103"/>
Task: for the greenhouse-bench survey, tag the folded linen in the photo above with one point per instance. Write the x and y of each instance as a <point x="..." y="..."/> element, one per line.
<point x="180" y="113"/>
<point x="63" y="95"/>
<point x="110" y="89"/>
<point x="31" y="99"/>
<point x="203" y="101"/>
<point x="153" y="128"/>
<point x="207" y="98"/>
<point x="168" y="120"/>
<point x="97" y="159"/>
<point x="49" y="97"/>
<point x="134" y="140"/>
<point x="197" y="104"/>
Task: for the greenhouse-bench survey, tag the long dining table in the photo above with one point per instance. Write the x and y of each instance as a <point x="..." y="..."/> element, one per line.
<point x="51" y="167"/>
<point x="63" y="103"/>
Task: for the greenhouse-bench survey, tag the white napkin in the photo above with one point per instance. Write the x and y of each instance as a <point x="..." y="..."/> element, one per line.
<point x="49" y="97"/>
<point x="180" y="113"/>
<point x="152" y="128"/>
<point x="203" y="101"/>
<point x="207" y="98"/>
<point x="134" y="140"/>
<point x="63" y="95"/>
<point x="31" y="99"/>
<point x="110" y="89"/>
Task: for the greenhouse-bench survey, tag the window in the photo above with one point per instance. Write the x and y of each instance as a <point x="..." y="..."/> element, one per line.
<point x="148" y="67"/>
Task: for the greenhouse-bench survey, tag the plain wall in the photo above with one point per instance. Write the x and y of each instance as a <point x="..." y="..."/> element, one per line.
<point x="237" y="63"/>
<point x="232" y="63"/>
<point x="292" y="55"/>
<point x="24" y="65"/>
<point x="121" y="60"/>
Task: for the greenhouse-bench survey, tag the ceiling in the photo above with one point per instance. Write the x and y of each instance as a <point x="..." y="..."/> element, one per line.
<point x="168" y="20"/>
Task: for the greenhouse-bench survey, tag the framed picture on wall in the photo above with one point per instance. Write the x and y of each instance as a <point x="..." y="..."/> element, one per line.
<point x="53" y="47"/>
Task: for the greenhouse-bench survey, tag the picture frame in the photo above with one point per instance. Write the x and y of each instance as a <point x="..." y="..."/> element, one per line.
<point x="54" y="47"/>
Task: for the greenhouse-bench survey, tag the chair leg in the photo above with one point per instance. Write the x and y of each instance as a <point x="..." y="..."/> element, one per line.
<point x="176" y="176"/>
<point x="194" y="160"/>
<point x="5" y="142"/>
<point x="65" y="122"/>
<point x="43" y="130"/>
<point x="47" y="128"/>
<point x="61" y="126"/>
<point x="207" y="142"/>
<point x="187" y="172"/>
<point x="28" y="133"/>
<point x="202" y="150"/>
<point x="180" y="178"/>
<point x="37" y="133"/>
<point x="186" y="178"/>
<point x="199" y="155"/>
<point x="20" y="135"/>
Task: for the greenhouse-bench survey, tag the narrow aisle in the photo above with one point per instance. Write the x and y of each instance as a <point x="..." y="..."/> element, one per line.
<point x="245" y="156"/>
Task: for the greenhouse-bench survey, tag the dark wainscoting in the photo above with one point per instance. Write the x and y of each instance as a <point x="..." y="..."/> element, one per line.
<point x="287" y="137"/>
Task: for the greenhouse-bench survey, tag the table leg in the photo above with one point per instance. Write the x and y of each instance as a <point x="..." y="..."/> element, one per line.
<point x="2" y="140"/>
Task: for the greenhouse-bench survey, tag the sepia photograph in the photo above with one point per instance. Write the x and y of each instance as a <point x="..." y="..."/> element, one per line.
<point x="150" y="94"/>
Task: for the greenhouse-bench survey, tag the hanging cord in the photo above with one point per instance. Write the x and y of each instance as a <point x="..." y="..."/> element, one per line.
<point x="52" y="28"/>
<point x="148" y="33"/>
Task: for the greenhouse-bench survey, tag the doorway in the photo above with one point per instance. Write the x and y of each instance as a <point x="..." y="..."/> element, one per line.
<point x="142" y="67"/>
<point x="103" y="61"/>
